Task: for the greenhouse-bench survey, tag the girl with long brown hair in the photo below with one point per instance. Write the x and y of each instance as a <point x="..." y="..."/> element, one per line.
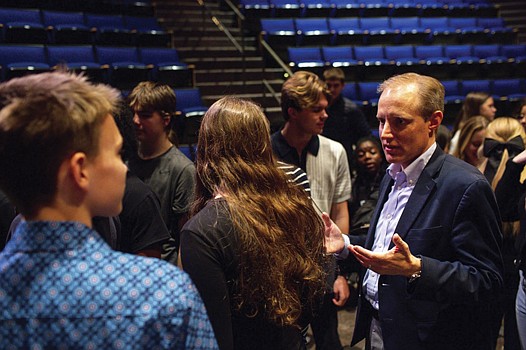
<point x="254" y="243"/>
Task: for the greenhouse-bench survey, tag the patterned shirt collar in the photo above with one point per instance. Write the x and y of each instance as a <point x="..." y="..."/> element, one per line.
<point x="52" y="236"/>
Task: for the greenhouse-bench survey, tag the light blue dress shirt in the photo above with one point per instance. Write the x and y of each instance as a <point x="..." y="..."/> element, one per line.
<point x="404" y="183"/>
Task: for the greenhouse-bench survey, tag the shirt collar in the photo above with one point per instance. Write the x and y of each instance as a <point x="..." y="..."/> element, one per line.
<point x="51" y="236"/>
<point x="284" y="149"/>
<point x="414" y="169"/>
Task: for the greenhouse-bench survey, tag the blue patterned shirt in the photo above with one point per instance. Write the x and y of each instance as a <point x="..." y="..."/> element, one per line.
<point x="62" y="287"/>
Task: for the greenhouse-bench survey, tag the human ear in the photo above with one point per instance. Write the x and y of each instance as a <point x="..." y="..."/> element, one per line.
<point x="435" y="120"/>
<point x="78" y="168"/>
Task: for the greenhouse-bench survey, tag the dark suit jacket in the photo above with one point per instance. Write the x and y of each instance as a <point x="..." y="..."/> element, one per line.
<point x="451" y="221"/>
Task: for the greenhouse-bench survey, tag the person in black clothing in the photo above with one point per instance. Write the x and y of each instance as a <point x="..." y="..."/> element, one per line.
<point x="370" y="169"/>
<point x="254" y="243"/>
<point x="346" y="123"/>
<point x="511" y="195"/>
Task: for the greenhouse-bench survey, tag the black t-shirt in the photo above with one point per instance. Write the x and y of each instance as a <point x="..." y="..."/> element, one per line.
<point x="139" y="225"/>
<point x="209" y="247"/>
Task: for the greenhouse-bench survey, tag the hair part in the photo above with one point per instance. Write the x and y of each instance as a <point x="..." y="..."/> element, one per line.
<point x="234" y="158"/>
<point x="45" y="118"/>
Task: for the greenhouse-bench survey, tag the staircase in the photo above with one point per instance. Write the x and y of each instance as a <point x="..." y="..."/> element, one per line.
<point x="221" y="66"/>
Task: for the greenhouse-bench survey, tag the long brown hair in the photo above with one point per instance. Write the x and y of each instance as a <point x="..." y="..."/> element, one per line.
<point x="281" y="236"/>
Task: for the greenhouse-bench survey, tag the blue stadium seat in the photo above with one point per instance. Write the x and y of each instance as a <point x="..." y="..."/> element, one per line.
<point x="351" y="91"/>
<point x="279" y="33"/>
<point x="406" y="8"/>
<point x="285" y="8"/>
<point x="372" y="64"/>
<point x="495" y="65"/>
<point x="516" y="53"/>
<point x="402" y="57"/>
<point x="343" y="58"/>
<point x="191" y="110"/>
<point x="22" y="26"/>
<point x="167" y="66"/>
<point x="313" y="31"/>
<point x="497" y="31"/>
<point x="409" y="30"/>
<point x="18" y="60"/>
<point x="483" y="85"/>
<point x="439" y="30"/>
<point x="347" y="31"/>
<point x="467" y="29"/>
<point x="317" y="8"/>
<point x="306" y="58"/>
<point x="375" y="8"/>
<point x="509" y="89"/>
<point x="346" y="8"/>
<point x="76" y="58"/>
<point x="67" y="27"/>
<point x="254" y="10"/>
<point x="110" y="30"/>
<point x="378" y="31"/>
<point x="148" y="31"/>
<point x="433" y="62"/>
<point x="124" y="68"/>
<point x="367" y="93"/>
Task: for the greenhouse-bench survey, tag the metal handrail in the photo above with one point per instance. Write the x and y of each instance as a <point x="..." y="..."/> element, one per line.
<point x="275" y="56"/>
<point x="221" y="27"/>
<point x="272" y="91"/>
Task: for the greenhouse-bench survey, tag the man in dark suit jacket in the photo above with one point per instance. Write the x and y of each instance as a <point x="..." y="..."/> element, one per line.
<point x="432" y="254"/>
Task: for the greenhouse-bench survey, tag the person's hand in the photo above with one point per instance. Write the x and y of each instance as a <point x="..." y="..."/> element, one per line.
<point x="341" y="291"/>
<point x="333" y="240"/>
<point x="520" y="158"/>
<point x="396" y="261"/>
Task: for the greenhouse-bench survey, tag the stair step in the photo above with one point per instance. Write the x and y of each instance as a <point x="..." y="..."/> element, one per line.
<point x="226" y="62"/>
<point x="215" y="75"/>
<point x="236" y="87"/>
<point x="216" y="40"/>
<point x="212" y="51"/>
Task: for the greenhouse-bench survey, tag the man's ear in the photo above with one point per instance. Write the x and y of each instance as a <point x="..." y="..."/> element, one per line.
<point x="293" y="113"/>
<point x="435" y="120"/>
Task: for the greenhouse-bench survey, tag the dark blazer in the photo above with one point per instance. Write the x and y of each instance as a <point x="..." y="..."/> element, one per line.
<point x="451" y="221"/>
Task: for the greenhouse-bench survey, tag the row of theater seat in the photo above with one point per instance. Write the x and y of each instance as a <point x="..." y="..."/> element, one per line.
<point x="128" y="7"/>
<point x="255" y="9"/>
<point x="62" y="27"/>
<point x="456" y="90"/>
<point x="441" y="61"/>
<point x="122" y="67"/>
<point x="284" y="32"/>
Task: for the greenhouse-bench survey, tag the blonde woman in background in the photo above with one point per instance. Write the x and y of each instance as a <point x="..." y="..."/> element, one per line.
<point x="505" y="138"/>
<point x="471" y="139"/>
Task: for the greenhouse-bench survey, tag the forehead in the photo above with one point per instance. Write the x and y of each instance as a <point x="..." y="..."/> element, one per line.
<point x="399" y="100"/>
<point x="367" y="145"/>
